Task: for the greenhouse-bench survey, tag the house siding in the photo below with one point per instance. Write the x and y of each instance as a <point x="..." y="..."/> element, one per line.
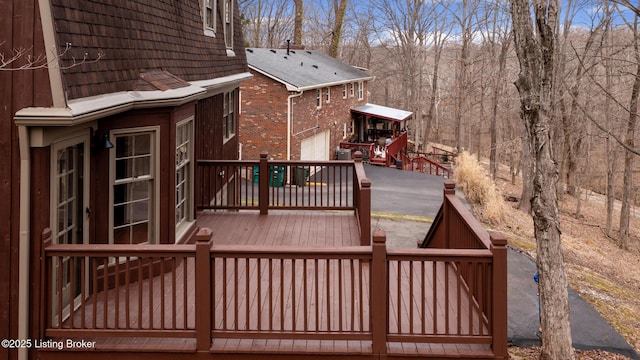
<point x="263" y="123"/>
<point x="21" y="29"/>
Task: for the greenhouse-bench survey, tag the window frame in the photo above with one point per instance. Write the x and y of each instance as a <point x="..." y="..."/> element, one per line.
<point x="229" y="115"/>
<point x="327" y="95"/>
<point x="153" y="178"/>
<point x="344" y="91"/>
<point x="360" y="90"/>
<point x="319" y="98"/>
<point x="186" y="203"/>
<point x="227" y="23"/>
<point x="352" y="90"/>
<point x="209" y="29"/>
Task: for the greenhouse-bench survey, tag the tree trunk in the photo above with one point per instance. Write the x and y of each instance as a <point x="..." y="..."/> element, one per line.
<point x="340" y="7"/>
<point x="536" y="53"/>
<point x="299" y="17"/>
<point x="628" y="156"/>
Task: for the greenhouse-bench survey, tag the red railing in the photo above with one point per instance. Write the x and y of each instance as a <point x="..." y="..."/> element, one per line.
<point x="204" y="291"/>
<point x="289" y="185"/>
<point x="425" y="165"/>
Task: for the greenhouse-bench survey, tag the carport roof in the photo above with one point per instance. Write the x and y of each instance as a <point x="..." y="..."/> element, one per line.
<point x="382" y="112"/>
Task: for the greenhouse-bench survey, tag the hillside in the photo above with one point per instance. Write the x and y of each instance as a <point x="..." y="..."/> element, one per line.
<point x="604" y="275"/>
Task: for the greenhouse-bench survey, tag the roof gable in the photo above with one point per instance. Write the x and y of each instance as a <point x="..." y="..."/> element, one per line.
<point x="303" y="69"/>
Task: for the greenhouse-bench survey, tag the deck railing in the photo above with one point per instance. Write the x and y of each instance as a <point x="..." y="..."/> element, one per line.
<point x="276" y="185"/>
<point x="117" y="290"/>
<point x="206" y="291"/>
<point x="289" y="185"/>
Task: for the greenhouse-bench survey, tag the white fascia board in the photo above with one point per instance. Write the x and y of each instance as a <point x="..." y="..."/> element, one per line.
<point x="220" y="84"/>
<point x="87" y="109"/>
<point x="335" y="83"/>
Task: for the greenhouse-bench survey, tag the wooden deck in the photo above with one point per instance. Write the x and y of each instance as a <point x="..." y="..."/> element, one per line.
<point x="290" y="284"/>
<point x="282" y="228"/>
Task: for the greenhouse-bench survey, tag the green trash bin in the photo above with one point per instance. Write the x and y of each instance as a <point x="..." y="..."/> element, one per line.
<point x="256" y="174"/>
<point x="300" y="175"/>
<point x="276" y="176"/>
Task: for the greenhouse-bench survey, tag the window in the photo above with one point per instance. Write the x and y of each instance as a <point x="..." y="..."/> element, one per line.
<point x="209" y="16"/>
<point x="344" y="91"/>
<point x="360" y="90"/>
<point x="184" y="150"/>
<point x="229" y="116"/>
<point x="134" y="187"/>
<point x="319" y="98"/>
<point x="228" y="23"/>
<point x="351" y="90"/>
<point x="328" y="95"/>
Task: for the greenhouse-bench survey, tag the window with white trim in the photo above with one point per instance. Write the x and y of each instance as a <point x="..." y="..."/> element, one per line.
<point x="319" y="98"/>
<point x="344" y="91"/>
<point x="328" y="94"/>
<point x="134" y="187"/>
<point x="228" y="23"/>
<point x="229" y="115"/>
<point x="352" y="90"/>
<point x="184" y="177"/>
<point x="209" y="16"/>
<point x="360" y="90"/>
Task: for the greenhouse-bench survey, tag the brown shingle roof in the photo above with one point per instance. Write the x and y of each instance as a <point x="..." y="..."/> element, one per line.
<point x="133" y="35"/>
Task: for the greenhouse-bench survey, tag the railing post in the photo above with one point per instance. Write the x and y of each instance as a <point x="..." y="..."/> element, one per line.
<point x="203" y="289"/>
<point x="263" y="184"/>
<point x="379" y="293"/>
<point x="364" y="212"/>
<point x="357" y="163"/>
<point x="45" y="290"/>
<point x="449" y="189"/>
<point x="499" y="294"/>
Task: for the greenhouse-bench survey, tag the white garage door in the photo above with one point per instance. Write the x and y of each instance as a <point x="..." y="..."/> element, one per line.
<point x="316" y="147"/>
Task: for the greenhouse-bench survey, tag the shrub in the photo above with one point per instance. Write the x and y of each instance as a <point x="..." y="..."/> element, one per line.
<point x="479" y="189"/>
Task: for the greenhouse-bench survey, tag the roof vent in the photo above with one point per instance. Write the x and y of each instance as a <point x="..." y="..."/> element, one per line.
<point x="285" y="57"/>
<point x="301" y="63"/>
<point x="308" y="52"/>
<point x="273" y="51"/>
<point x="250" y="50"/>
<point x="315" y="66"/>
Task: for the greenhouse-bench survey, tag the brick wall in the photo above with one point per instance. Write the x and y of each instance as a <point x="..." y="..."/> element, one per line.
<point x="263" y="118"/>
<point x="263" y="121"/>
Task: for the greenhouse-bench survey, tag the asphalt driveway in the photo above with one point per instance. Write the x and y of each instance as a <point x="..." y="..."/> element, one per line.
<point x="410" y="193"/>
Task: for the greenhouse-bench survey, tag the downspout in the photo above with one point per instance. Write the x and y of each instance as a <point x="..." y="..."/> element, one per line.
<point x="25" y="235"/>
<point x="290" y="120"/>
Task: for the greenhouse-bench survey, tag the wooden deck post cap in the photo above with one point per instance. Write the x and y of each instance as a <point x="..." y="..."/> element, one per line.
<point x="498" y="239"/>
<point x="204" y="234"/>
<point x="264" y="154"/>
<point x="357" y="156"/>
<point x="366" y="183"/>
<point x="379" y="236"/>
<point x="449" y="184"/>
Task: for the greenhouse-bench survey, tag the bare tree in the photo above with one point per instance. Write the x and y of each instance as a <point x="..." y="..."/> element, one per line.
<point x="339" y="9"/>
<point x="299" y="19"/>
<point x="629" y="140"/>
<point x="23" y="59"/>
<point x="267" y="23"/>
<point x="535" y="48"/>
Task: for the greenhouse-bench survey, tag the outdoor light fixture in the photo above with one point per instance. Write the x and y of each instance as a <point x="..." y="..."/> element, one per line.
<point x="100" y="140"/>
<point x="107" y="143"/>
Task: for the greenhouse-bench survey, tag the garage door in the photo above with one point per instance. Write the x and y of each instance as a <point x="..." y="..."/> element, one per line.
<point x="316" y="147"/>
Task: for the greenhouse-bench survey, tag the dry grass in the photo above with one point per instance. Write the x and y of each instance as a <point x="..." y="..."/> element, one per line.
<point x="602" y="273"/>
<point x="479" y="189"/>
